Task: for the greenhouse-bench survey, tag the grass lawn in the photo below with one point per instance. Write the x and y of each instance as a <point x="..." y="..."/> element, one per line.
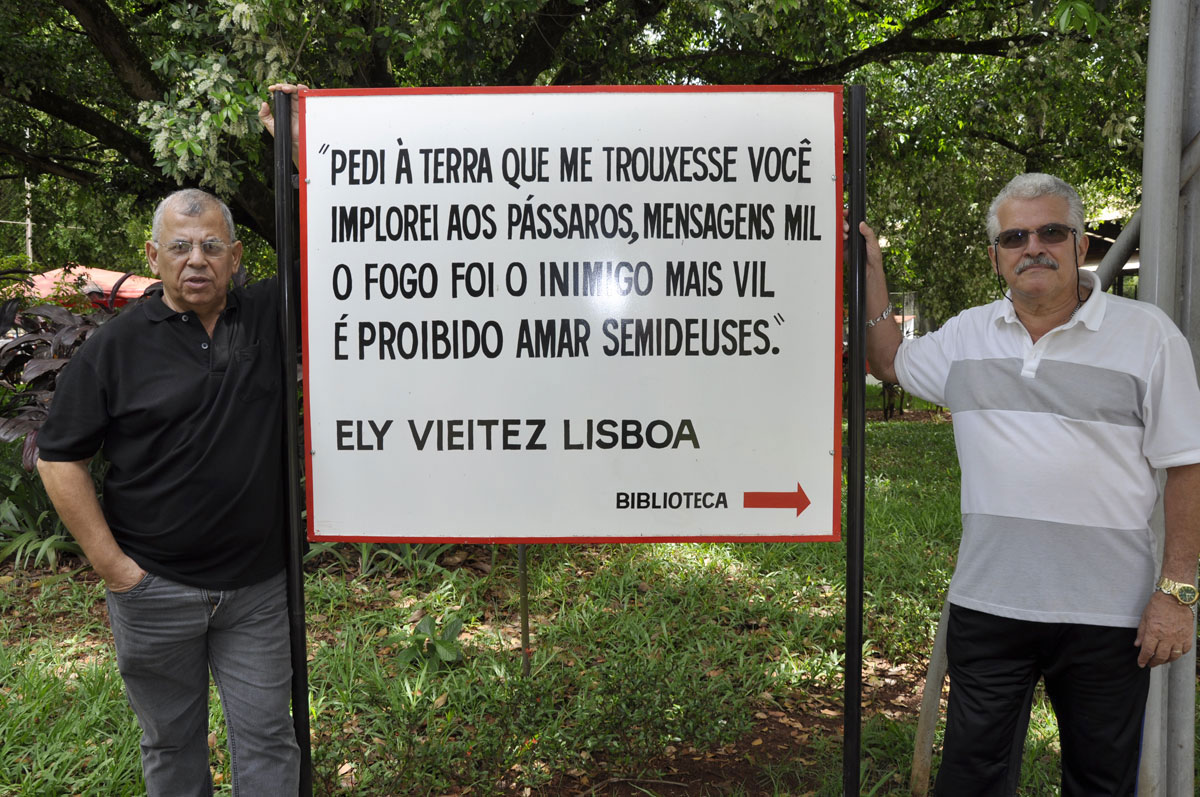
<point x="658" y="669"/>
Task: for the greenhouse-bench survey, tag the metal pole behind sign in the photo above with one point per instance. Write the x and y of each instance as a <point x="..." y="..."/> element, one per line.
<point x="523" y="588"/>
<point x="1169" y="738"/>
<point x="285" y="258"/>
<point x="855" y="475"/>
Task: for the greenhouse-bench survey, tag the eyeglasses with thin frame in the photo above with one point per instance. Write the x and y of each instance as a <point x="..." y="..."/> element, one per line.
<point x="1052" y="233"/>
<point x="182" y="249"/>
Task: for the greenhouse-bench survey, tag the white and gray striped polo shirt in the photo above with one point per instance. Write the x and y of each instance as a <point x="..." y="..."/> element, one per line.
<point x="1058" y="443"/>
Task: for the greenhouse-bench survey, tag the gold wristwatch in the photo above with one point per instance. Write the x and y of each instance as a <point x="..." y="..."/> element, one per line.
<point x="1184" y="593"/>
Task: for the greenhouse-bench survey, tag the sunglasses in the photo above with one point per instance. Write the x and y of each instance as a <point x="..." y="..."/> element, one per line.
<point x="1052" y="233"/>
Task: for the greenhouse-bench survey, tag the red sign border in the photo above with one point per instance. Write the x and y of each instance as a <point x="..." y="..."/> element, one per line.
<point x="836" y="443"/>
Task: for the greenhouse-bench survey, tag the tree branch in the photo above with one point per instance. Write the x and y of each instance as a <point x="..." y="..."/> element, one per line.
<point x="570" y="71"/>
<point x="902" y="46"/>
<point x="108" y="134"/>
<point x="253" y="205"/>
<point x="374" y="68"/>
<point x="117" y="47"/>
<point x="938" y="12"/>
<point x="788" y="71"/>
<point x="1012" y="146"/>
<point x="45" y="164"/>
<point x="541" y="41"/>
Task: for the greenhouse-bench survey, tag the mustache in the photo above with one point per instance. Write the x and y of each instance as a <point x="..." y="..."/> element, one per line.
<point x="1037" y="260"/>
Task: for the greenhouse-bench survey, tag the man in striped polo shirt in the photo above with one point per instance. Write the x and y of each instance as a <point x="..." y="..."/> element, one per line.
<point x="1066" y="401"/>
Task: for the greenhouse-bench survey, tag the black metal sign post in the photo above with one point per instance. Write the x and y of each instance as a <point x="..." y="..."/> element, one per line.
<point x="285" y="259"/>
<point x="856" y="428"/>
<point x="523" y="588"/>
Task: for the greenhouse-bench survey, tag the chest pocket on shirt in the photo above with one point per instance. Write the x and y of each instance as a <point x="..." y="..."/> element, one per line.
<point x="258" y="374"/>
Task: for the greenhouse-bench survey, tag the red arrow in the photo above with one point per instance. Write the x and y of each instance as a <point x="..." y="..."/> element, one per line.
<point x="798" y="500"/>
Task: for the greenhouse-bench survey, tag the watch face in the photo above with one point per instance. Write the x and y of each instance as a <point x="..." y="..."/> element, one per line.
<point x="1186" y="593"/>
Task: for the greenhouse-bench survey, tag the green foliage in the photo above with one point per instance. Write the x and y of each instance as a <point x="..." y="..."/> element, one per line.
<point x="43" y="339"/>
<point x="419" y="560"/>
<point x="31" y="534"/>
<point x="1071" y="105"/>
<point x="426" y="646"/>
<point x="47" y="335"/>
<point x="30" y="531"/>
<point x="105" y="113"/>
<point x="1080" y="15"/>
<point x="65" y="727"/>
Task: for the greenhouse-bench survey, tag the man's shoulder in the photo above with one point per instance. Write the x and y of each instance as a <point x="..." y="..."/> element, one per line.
<point x="972" y="319"/>
<point x="985" y="312"/>
<point x="1125" y="312"/>
<point x="260" y="296"/>
<point x="129" y="323"/>
<point x="263" y="288"/>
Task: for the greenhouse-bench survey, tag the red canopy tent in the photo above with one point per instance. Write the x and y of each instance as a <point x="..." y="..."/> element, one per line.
<point x="94" y="282"/>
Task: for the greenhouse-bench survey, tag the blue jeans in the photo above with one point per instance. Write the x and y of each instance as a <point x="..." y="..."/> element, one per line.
<point x="168" y="637"/>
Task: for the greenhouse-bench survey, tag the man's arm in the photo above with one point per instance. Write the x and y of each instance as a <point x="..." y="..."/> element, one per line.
<point x="1166" y="630"/>
<point x="883" y="336"/>
<point x="70" y="487"/>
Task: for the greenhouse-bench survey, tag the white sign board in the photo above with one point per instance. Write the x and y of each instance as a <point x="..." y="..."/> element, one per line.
<point x="605" y="314"/>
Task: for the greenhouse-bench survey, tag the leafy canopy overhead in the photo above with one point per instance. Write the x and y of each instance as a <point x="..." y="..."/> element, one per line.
<point x="106" y="106"/>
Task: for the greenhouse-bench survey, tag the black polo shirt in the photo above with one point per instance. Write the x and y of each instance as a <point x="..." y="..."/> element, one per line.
<point x="192" y="429"/>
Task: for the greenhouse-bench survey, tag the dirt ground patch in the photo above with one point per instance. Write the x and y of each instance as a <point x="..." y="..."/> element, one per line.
<point x="785" y="738"/>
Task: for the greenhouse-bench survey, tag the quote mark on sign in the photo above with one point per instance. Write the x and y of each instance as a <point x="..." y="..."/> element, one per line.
<point x="324" y="149"/>
<point x="778" y="318"/>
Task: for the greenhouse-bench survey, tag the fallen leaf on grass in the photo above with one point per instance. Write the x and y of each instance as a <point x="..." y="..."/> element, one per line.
<point x="452" y="559"/>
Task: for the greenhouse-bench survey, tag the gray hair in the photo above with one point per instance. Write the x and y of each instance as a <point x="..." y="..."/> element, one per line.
<point x="191" y="202"/>
<point x="1034" y="185"/>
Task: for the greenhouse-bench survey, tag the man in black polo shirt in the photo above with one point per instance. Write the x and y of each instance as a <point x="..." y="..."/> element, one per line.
<point x="183" y="394"/>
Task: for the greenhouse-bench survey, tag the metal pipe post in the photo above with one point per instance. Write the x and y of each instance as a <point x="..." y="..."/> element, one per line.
<point x="523" y="588"/>
<point x="1164" y="770"/>
<point x="855" y="474"/>
<point x="286" y="260"/>
<point x="1181" y="677"/>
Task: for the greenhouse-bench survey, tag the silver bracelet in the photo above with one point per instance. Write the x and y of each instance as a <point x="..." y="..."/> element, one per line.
<point x="887" y="311"/>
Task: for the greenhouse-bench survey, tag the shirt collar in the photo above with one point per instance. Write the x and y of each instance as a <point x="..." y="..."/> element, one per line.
<point x="1090" y="313"/>
<point x="157" y="309"/>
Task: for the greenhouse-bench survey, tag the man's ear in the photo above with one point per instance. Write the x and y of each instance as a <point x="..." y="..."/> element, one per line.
<point x="236" y="252"/>
<point x="992" y="257"/>
<point x="152" y="256"/>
